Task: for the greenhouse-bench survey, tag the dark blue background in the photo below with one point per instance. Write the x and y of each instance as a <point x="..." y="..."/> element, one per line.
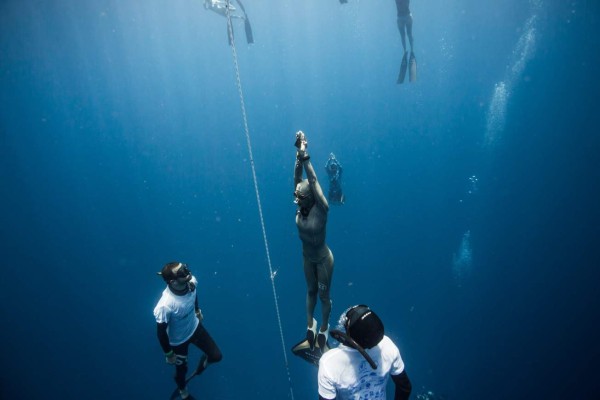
<point x="122" y="147"/>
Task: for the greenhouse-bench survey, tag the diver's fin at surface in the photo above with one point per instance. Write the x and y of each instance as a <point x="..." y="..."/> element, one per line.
<point x="412" y="68"/>
<point x="249" y="35"/>
<point x="304" y="351"/>
<point x="403" y="66"/>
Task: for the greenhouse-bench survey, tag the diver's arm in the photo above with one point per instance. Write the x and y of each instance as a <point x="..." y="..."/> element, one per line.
<point x="323" y="398"/>
<point x="241" y="7"/>
<point x="301" y="156"/>
<point x="403" y="386"/>
<point x="314" y="184"/>
<point x="297" y="172"/>
<point x="163" y="337"/>
<point x="198" y="310"/>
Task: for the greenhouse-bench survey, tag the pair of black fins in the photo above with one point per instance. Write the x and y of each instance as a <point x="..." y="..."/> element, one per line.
<point x="409" y="64"/>
<point x="313" y="355"/>
<point x="247" y="27"/>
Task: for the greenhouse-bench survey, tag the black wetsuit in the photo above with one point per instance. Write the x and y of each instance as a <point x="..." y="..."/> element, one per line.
<point x="403" y="7"/>
<point x="200" y="338"/>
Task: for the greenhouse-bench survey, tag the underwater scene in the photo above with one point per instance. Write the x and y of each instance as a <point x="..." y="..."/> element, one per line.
<point x="447" y="176"/>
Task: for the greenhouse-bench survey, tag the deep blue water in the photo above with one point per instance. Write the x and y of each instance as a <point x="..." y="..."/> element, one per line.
<point x="122" y="148"/>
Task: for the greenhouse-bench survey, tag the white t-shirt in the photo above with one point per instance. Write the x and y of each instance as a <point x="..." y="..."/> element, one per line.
<point x="344" y="374"/>
<point x="179" y="313"/>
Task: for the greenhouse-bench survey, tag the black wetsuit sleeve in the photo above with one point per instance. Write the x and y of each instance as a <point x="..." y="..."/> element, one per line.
<point x="323" y="398"/>
<point x="403" y="386"/>
<point x="163" y="337"/>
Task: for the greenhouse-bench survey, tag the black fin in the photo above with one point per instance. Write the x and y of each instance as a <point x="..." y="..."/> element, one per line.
<point x="403" y="66"/>
<point x="303" y="350"/>
<point x="249" y="35"/>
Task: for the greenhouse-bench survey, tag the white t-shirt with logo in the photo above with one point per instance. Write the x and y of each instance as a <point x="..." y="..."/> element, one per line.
<point x="344" y="374"/>
<point x="179" y="313"/>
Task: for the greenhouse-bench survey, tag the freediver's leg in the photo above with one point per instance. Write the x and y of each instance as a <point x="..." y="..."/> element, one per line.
<point x="409" y="24"/>
<point x="402" y="27"/>
<point x="312" y="288"/>
<point x="181" y="365"/>
<point x="212" y="354"/>
<point x="325" y="274"/>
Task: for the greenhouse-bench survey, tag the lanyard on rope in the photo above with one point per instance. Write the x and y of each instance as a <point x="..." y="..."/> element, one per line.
<point x="260" y="212"/>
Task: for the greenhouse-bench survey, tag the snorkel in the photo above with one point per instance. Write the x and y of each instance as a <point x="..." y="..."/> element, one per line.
<point x="364" y="330"/>
<point x="348" y="341"/>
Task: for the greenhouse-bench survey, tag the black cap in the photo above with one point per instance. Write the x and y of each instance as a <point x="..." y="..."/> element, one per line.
<point x="364" y="326"/>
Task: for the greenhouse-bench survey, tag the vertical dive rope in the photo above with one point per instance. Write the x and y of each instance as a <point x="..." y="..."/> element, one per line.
<point x="260" y="212"/>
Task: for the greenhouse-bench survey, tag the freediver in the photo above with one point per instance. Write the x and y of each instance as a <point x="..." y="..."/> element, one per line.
<point x="221" y="7"/>
<point x="311" y="220"/>
<point x="360" y="366"/>
<point x="405" y="23"/>
<point x="179" y="324"/>
<point x="334" y="172"/>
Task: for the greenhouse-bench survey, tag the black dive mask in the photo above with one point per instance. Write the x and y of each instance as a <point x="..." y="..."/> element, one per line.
<point x="183" y="272"/>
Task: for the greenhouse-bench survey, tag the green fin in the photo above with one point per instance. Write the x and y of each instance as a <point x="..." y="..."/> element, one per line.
<point x="412" y="70"/>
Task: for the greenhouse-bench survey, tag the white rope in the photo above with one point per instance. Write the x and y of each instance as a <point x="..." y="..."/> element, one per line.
<point x="260" y="212"/>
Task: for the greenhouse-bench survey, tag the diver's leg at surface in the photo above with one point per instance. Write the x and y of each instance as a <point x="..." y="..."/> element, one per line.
<point x="247" y="26"/>
<point x="403" y="65"/>
<point x="401" y="27"/>
<point x="409" y="24"/>
<point x="412" y="63"/>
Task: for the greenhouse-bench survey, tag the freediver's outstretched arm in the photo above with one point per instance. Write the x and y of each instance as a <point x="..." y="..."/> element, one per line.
<point x="304" y="160"/>
<point x="297" y="172"/>
<point x="314" y="185"/>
